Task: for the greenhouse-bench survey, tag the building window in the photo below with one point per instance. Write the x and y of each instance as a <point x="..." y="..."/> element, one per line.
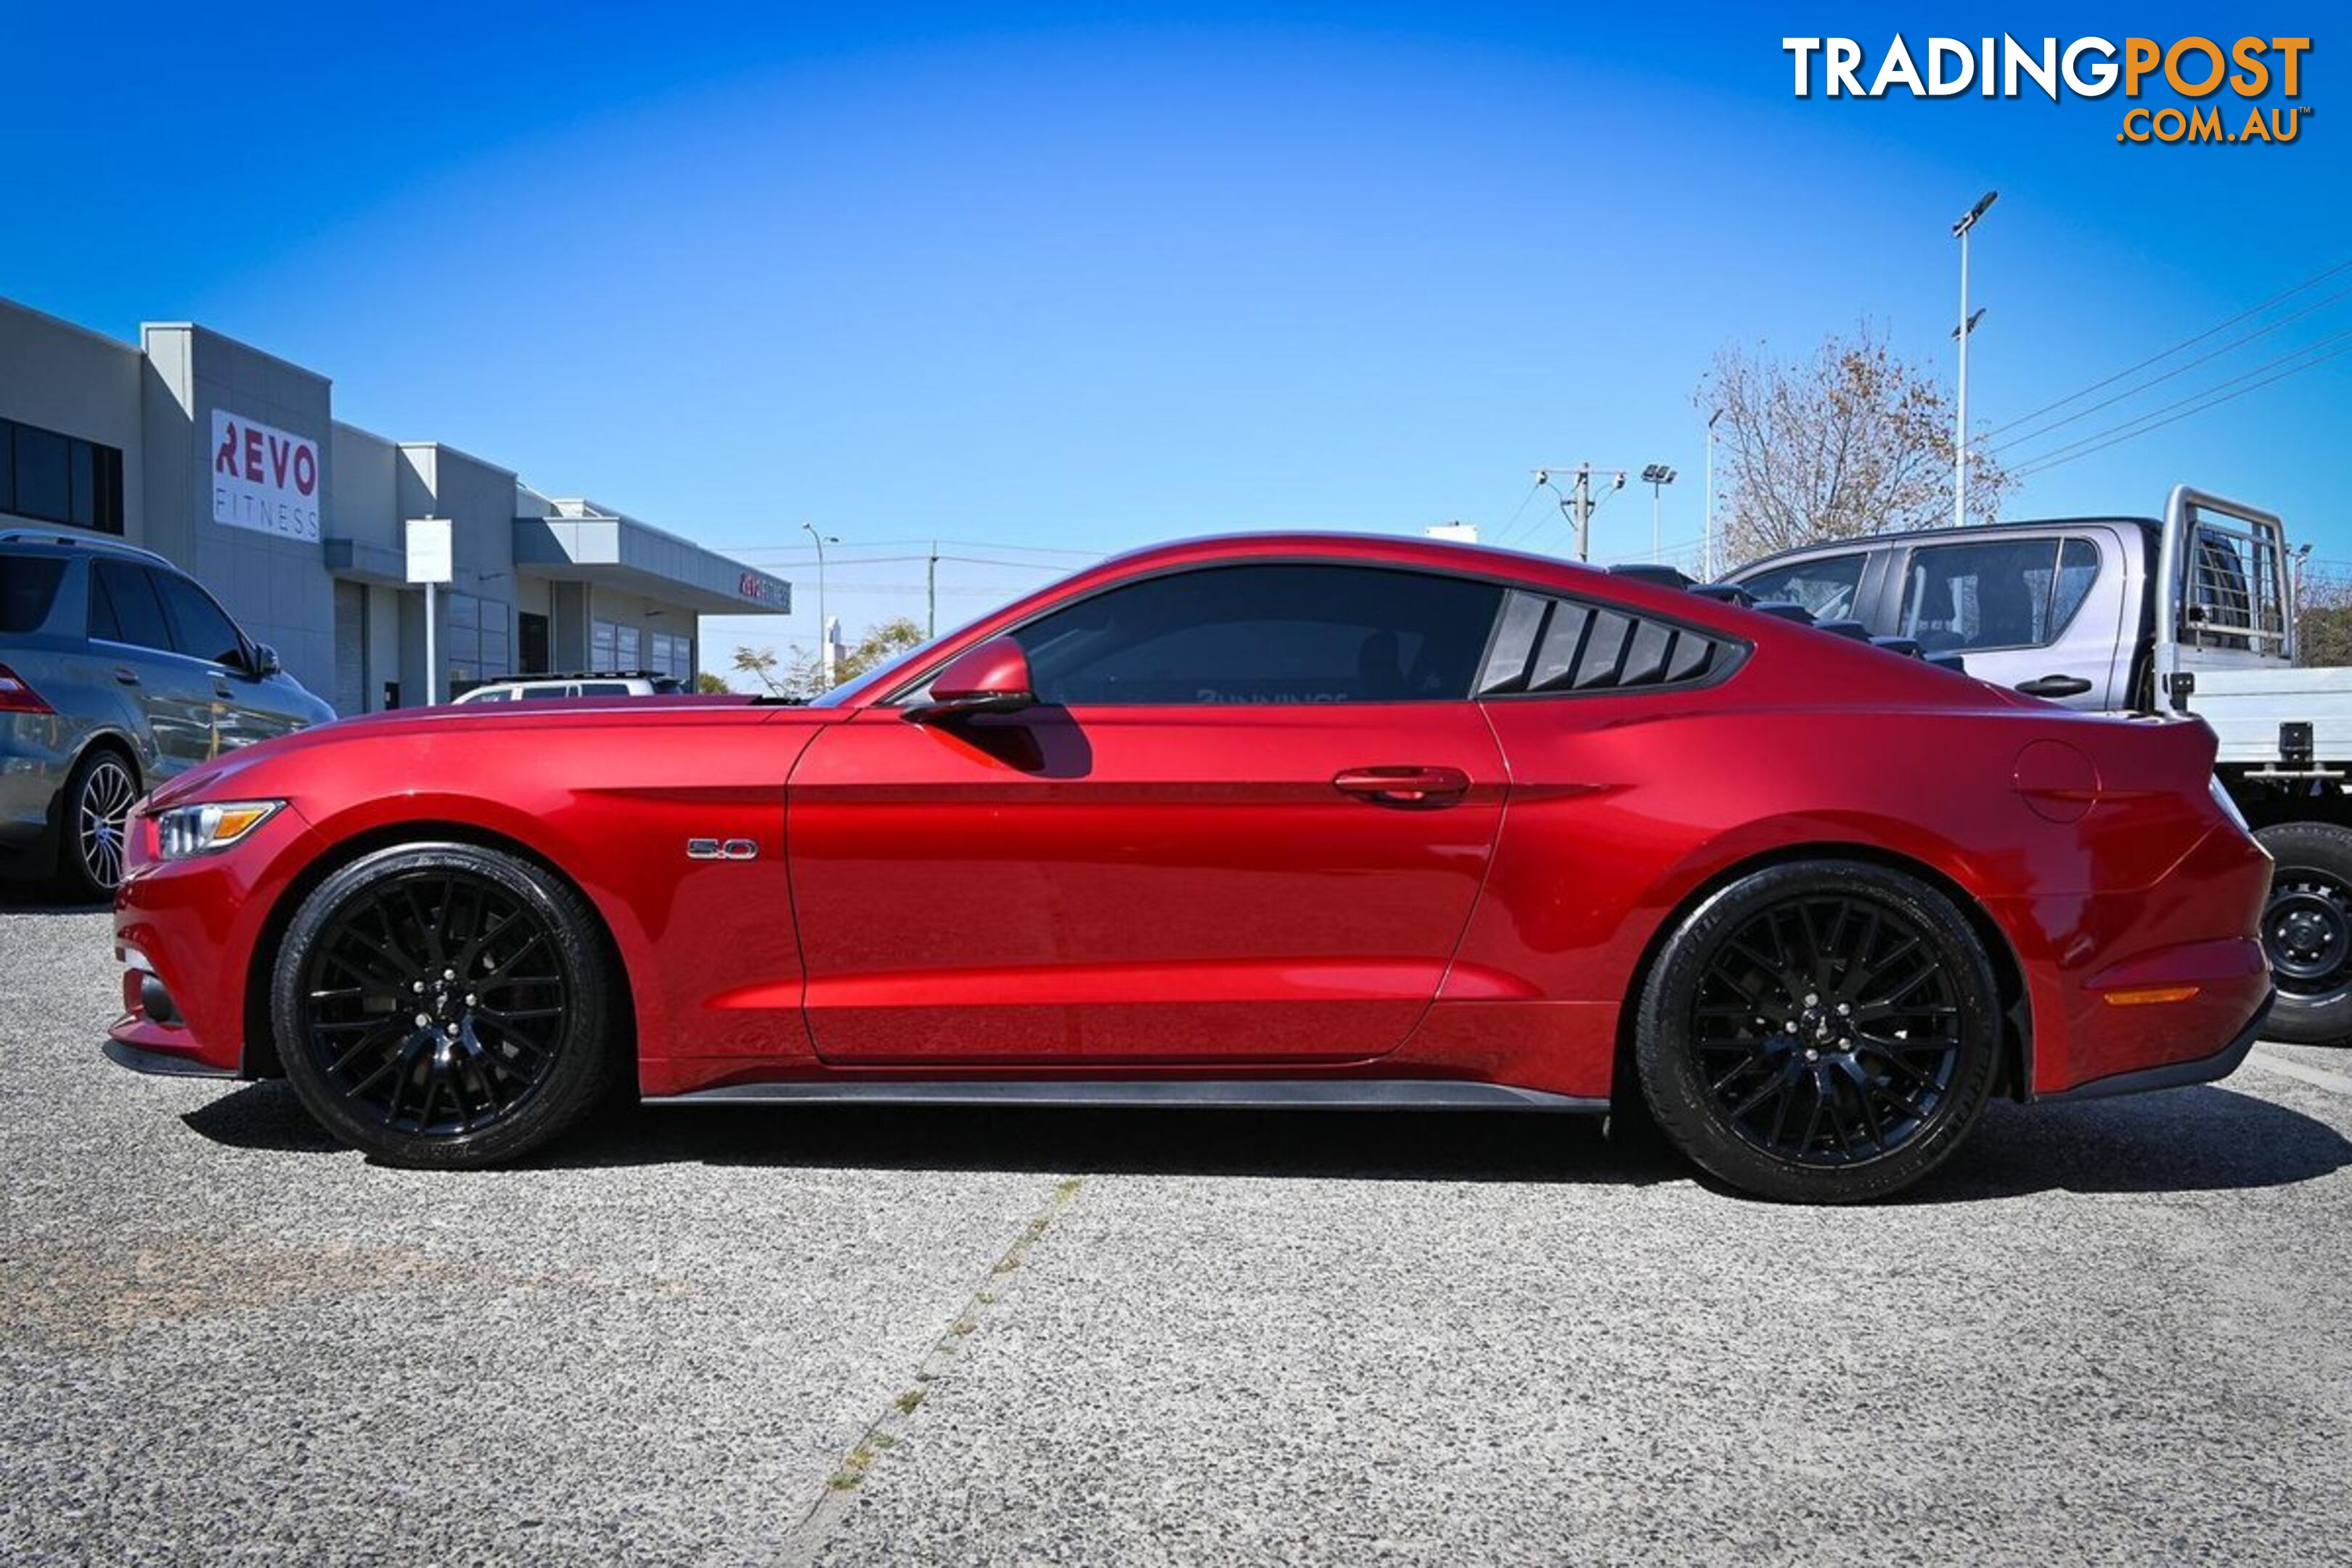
<point x="601" y="636"/>
<point x="626" y="649"/>
<point x="673" y="656"/>
<point x="477" y="645"/>
<point x="54" y="478"/>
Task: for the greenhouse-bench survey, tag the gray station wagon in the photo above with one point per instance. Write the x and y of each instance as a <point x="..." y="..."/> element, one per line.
<point x="116" y="671"/>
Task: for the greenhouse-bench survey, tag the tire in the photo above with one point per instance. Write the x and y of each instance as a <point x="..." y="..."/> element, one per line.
<point x="93" y="816"/>
<point x="2307" y="932"/>
<point x="1755" y="1044"/>
<point x="443" y="1006"/>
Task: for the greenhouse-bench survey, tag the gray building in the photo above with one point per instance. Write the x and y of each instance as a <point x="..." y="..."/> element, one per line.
<point x="231" y="463"/>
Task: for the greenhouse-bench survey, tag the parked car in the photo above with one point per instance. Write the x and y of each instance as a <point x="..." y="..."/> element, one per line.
<point x="117" y="670"/>
<point x="2182" y="613"/>
<point x="1293" y="820"/>
<point x="585" y="683"/>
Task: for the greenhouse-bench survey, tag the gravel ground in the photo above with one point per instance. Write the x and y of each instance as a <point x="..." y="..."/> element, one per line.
<point x="2113" y="1332"/>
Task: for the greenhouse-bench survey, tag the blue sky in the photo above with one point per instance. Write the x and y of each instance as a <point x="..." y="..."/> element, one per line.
<point x="1050" y="281"/>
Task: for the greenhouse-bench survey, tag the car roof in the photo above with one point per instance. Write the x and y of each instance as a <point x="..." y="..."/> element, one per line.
<point x="1946" y="533"/>
<point x="55" y="541"/>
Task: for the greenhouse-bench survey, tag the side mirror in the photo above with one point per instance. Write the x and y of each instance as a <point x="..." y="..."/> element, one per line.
<point x="992" y="678"/>
<point x="265" y="661"/>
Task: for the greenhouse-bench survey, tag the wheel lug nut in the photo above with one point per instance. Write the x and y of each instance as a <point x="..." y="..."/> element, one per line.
<point x="417" y="986"/>
<point x="424" y="1019"/>
<point x="1812" y="1056"/>
<point x="1846" y="1009"/>
<point x="470" y="999"/>
<point x="1791" y="1026"/>
<point x="1811" y="999"/>
<point x="448" y="974"/>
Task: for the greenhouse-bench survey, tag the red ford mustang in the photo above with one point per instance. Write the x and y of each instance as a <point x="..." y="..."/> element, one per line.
<point x="1289" y="820"/>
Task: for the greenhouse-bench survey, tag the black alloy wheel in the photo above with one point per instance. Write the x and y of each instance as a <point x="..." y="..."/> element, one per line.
<point x="443" y="1005"/>
<point x="2307" y="932"/>
<point x="1820" y="1033"/>
<point x="97" y="823"/>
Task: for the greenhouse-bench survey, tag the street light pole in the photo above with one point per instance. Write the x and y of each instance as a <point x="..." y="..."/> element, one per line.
<point x="823" y="634"/>
<point x="1657" y="476"/>
<point x="1706" y="531"/>
<point x="1961" y="433"/>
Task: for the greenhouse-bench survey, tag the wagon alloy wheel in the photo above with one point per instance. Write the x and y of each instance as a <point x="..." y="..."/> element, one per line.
<point x="1820" y="1031"/>
<point x="2308" y="930"/>
<point x="443" y="1005"/>
<point x="1827" y="1029"/>
<point x="101" y="816"/>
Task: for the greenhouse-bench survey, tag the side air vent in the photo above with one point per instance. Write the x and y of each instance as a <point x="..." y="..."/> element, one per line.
<point x="1547" y="645"/>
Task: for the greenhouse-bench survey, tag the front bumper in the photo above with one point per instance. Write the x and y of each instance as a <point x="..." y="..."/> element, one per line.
<point x="198" y="925"/>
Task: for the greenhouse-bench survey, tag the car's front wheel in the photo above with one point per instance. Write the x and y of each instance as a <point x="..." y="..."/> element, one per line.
<point x="94" y="820"/>
<point x="443" y="1005"/>
<point x="1820" y="1032"/>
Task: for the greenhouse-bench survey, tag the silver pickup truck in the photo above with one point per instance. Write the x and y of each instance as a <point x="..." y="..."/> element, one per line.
<point x="2189" y="611"/>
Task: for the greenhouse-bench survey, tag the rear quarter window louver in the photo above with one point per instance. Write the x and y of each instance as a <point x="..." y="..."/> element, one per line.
<point x="1548" y="646"/>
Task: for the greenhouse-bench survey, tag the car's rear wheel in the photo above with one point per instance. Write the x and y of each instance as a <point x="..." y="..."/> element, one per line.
<point x="94" y="820"/>
<point x="443" y="1005"/>
<point x="1820" y="1032"/>
<point x="2307" y="932"/>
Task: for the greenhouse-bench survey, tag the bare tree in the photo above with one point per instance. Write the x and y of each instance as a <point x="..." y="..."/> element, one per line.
<point x="2323" y="615"/>
<point x="797" y="675"/>
<point x="1852" y="441"/>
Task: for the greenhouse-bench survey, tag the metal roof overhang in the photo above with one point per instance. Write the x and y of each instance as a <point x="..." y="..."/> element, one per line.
<point x="629" y="556"/>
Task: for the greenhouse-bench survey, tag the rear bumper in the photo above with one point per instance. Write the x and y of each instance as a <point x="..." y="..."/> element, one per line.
<point x="2143" y="980"/>
<point x="2176" y="1074"/>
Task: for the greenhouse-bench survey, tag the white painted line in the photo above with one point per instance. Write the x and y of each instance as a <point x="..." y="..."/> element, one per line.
<point x="2318" y="1077"/>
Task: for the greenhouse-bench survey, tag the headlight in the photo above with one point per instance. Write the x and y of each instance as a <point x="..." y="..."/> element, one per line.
<point x="2229" y="807"/>
<point x="187" y="830"/>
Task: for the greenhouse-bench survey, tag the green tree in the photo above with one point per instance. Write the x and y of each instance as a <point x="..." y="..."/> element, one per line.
<point x="796" y="675"/>
<point x="1851" y="441"/>
<point x="709" y="681"/>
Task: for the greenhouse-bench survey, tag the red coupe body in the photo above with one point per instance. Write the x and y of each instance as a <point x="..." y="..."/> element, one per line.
<point x="1168" y="875"/>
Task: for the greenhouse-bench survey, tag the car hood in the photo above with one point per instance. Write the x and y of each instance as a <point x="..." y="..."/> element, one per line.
<point x="636" y="718"/>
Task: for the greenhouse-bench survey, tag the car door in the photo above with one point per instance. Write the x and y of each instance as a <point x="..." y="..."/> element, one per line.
<point x="131" y="632"/>
<point x="2021" y="612"/>
<point x="1247" y="820"/>
<point x="239" y="706"/>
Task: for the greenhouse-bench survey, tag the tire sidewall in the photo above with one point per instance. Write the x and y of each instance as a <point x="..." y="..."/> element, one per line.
<point x="1677" y="1093"/>
<point x="585" y="1056"/>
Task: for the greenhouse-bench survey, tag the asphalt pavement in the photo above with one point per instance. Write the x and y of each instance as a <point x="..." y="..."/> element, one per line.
<point x="2112" y="1333"/>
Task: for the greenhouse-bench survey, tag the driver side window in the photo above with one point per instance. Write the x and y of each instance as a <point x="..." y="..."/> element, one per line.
<point x="1271" y="633"/>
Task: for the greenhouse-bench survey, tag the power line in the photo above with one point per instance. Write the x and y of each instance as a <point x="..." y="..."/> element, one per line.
<point x="2129" y="429"/>
<point x="2315" y="279"/>
<point x="2182" y="369"/>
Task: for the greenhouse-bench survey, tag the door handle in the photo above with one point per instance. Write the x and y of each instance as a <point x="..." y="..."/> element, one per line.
<point x="125" y="674"/>
<point x="2054" y="686"/>
<point x="1405" y="786"/>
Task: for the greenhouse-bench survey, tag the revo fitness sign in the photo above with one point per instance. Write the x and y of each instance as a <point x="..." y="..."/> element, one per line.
<point x="264" y="479"/>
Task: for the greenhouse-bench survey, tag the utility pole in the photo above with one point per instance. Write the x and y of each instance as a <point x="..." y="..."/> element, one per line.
<point x="1578" y="505"/>
<point x="1960" y="436"/>
<point x="931" y="594"/>
<point x="824" y="632"/>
